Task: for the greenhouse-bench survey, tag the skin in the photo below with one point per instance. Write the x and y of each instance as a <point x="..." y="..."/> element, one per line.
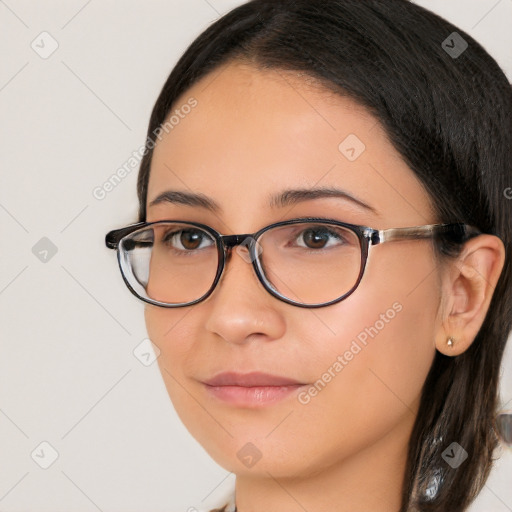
<point x="253" y="133"/>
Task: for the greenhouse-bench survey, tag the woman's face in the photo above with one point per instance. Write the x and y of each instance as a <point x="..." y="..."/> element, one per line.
<point x="252" y="134"/>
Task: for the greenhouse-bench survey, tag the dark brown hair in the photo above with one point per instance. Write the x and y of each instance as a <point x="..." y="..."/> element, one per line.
<point x="450" y="118"/>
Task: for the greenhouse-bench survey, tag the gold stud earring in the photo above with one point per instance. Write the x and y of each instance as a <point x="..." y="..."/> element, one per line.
<point x="450" y="341"/>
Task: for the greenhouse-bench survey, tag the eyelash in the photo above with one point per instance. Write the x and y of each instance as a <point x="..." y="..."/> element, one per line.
<point x="170" y="236"/>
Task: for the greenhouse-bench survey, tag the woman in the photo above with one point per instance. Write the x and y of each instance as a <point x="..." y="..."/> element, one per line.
<point x="323" y="247"/>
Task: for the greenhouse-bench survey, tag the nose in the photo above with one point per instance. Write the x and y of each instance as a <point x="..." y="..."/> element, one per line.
<point x="240" y="307"/>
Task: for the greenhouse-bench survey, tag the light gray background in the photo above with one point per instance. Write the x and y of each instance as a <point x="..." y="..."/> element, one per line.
<point x="68" y="327"/>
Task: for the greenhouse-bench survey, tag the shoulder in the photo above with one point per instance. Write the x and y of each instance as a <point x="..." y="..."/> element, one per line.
<point x="227" y="504"/>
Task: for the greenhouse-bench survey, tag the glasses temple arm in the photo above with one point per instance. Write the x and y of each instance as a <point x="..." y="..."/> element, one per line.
<point x="460" y="231"/>
<point x="112" y="238"/>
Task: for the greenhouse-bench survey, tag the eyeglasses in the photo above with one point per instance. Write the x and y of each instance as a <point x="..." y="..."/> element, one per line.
<point x="307" y="262"/>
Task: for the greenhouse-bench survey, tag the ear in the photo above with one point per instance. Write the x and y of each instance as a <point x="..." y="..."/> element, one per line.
<point x="468" y="284"/>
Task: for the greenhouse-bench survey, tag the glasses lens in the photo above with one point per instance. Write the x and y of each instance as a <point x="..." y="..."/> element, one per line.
<point x="308" y="263"/>
<point x="311" y="263"/>
<point x="171" y="263"/>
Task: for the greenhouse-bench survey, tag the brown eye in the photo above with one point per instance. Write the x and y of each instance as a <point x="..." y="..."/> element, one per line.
<point x="319" y="237"/>
<point x="186" y="239"/>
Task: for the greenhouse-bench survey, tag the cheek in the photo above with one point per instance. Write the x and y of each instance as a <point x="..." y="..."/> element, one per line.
<point x="167" y="330"/>
<point x="173" y="330"/>
<point x="389" y="320"/>
<point x="170" y="331"/>
<point x="402" y="322"/>
<point x="368" y="373"/>
<point x="377" y="383"/>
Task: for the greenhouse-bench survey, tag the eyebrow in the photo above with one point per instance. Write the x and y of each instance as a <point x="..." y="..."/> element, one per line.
<point x="280" y="200"/>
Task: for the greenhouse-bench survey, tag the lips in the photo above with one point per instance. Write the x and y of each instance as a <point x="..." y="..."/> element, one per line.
<point x="250" y="390"/>
<point x="253" y="379"/>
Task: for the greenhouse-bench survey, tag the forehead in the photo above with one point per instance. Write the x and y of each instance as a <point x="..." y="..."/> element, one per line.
<point x="241" y="134"/>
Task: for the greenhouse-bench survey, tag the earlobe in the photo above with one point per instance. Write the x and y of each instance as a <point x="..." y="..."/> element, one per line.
<point x="468" y="287"/>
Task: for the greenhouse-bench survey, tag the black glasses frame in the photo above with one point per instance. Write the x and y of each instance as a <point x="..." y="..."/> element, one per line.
<point x="368" y="237"/>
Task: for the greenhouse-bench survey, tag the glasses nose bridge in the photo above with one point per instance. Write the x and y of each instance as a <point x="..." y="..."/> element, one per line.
<point x="230" y="241"/>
